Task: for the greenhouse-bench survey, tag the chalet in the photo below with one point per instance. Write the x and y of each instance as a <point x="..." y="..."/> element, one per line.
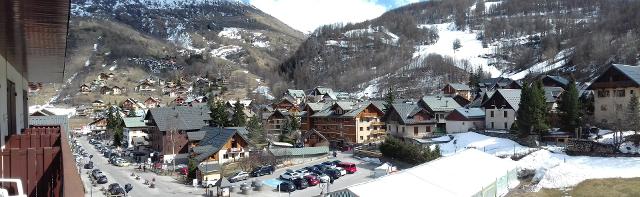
<point x="552" y="95"/>
<point x="219" y="146"/>
<point x="612" y="92"/>
<point x="145" y="86"/>
<point x="117" y="90"/>
<point x="555" y="81"/>
<point x="106" y="90"/>
<point x="286" y="104"/>
<point x="322" y="94"/>
<point x="320" y="91"/>
<point x="409" y="120"/>
<point x="349" y="123"/>
<point x="462" y="101"/>
<point x="309" y="110"/>
<point x="111" y="75"/>
<point x="454" y="89"/>
<point x="95" y="84"/>
<point x="501" y="109"/>
<point x="438" y="107"/>
<point x="135" y="132"/>
<point x="98" y="125"/>
<point x="167" y="123"/>
<point x="42" y="112"/>
<point x="152" y="102"/>
<point x="275" y="122"/>
<point x="98" y="105"/>
<point x="465" y="119"/>
<point x="85" y="89"/>
<point x="83" y="110"/>
<point x="297" y="96"/>
<point x="131" y="104"/>
<point x="313" y="138"/>
<point x="499" y="83"/>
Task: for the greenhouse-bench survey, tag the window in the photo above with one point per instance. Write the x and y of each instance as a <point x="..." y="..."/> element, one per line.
<point x="630" y="91"/>
<point x="368" y="128"/>
<point x="492" y="125"/>
<point x="603" y="107"/>
<point x="505" y="114"/>
<point x="492" y="114"/>
<point x="241" y="155"/>
<point x="361" y="138"/>
<point x="505" y="126"/>
<point x="361" y="128"/>
<point x="603" y="93"/>
<point x="402" y="129"/>
<point x="225" y="156"/>
<point x="415" y="131"/>
<point x="618" y="107"/>
<point x="619" y="93"/>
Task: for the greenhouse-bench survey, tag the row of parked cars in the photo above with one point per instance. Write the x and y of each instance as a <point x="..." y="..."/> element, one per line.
<point x="109" y="153"/>
<point x="242" y="175"/>
<point x="114" y="189"/>
<point x="314" y="175"/>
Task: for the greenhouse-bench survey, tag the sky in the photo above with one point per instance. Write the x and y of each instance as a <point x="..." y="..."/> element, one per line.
<point x="307" y="15"/>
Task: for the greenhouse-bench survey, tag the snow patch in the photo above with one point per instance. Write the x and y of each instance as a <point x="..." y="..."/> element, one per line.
<point x="491" y="145"/>
<point x="231" y="33"/>
<point x="264" y="91"/>
<point x="340" y="43"/>
<point x="470" y="50"/>
<point x="87" y="63"/>
<point x="113" y="67"/>
<point x="558" y="61"/>
<point x="225" y="50"/>
<point x="261" y="44"/>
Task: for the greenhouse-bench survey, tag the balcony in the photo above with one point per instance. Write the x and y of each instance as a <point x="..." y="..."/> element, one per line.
<point x="377" y="123"/>
<point x="369" y="115"/>
<point x="235" y="150"/>
<point x="378" y="132"/>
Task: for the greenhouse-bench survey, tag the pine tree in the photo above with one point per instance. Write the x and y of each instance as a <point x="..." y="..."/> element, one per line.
<point x="256" y="132"/>
<point x="525" y="112"/>
<point x="239" y="119"/>
<point x="456" y="44"/>
<point x="539" y="105"/>
<point x="569" y="108"/>
<point x="633" y="114"/>
<point x="219" y="115"/>
<point x="389" y="98"/>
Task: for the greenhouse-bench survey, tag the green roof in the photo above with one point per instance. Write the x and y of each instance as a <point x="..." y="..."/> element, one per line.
<point x="299" y="151"/>
<point x="131" y="122"/>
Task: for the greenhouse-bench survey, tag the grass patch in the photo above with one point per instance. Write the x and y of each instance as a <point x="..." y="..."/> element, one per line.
<point x="613" y="187"/>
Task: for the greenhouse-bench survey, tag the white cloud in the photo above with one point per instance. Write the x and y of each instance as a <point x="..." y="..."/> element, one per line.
<point x="307" y="15"/>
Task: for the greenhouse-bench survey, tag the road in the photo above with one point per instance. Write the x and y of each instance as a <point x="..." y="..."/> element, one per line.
<point x="165" y="185"/>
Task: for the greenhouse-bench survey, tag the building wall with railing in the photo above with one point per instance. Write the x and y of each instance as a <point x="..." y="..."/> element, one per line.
<point x="9" y="73"/>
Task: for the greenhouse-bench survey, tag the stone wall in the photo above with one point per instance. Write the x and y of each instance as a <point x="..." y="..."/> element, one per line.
<point x="530" y="141"/>
<point x="590" y="148"/>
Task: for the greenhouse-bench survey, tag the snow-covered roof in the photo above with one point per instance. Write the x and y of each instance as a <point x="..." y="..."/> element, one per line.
<point x="440" y="103"/>
<point x="459" y="86"/>
<point x="447" y="176"/>
<point x="471" y="112"/>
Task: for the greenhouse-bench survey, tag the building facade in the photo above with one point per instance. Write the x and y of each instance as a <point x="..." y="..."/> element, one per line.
<point x="612" y="93"/>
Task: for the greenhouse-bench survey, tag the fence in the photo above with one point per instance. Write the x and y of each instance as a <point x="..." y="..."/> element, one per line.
<point x="41" y="158"/>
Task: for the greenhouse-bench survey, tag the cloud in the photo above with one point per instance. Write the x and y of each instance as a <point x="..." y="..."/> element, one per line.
<point x="307" y="15"/>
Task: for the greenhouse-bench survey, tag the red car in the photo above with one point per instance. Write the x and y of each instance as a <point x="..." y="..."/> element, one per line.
<point x="349" y="167"/>
<point x="312" y="180"/>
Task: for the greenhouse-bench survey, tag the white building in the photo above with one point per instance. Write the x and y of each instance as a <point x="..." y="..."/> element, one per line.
<point x="135" y="131"/>
<point x="501" y="109"/>
<point x="465" y="119"/>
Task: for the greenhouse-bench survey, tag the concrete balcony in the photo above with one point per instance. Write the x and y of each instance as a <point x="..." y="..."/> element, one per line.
<point x="377" y="123"/>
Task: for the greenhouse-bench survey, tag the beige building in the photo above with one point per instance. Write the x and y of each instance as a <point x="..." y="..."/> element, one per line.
<point x="501" y="109"/>
<point x="409" y="120"/>
<point x="612" y="93"/>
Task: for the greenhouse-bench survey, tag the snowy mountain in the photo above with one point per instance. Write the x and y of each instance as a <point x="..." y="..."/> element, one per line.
<point x="169" y="39"/>
<point x="417" y="48"/>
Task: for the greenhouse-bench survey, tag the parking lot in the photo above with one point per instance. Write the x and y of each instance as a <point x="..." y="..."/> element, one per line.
<point x="169" y="186"/>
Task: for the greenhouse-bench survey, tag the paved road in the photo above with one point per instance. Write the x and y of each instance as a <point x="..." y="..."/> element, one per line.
<point x="165" y="185"/>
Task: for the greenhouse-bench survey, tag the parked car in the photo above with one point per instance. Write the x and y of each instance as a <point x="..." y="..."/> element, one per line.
<point x="286" y="186"/>
<point x="102" y="179"/>
<point x="303" y="172"/>
<point x="342" y="171"/>
<point x="263" y="170"/>
<point x="239" y="176"/>
<point x="324" y="178"/>
<point x="95" y="173"/>
<point x="290" y="176"/>
<point x="209" y="183"/>
<point x="88" y="165"/>
<point x="328" y="164"/>
<point x="115" y="189"/>
<point x="122" y="163"/>
<point x="312" y="180"/>
<point x="333" y="173"/>
<point x="349" y="167"/>
<point x="300" y="183"/>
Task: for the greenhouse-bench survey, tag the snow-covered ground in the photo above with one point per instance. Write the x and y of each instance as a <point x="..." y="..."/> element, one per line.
<point x="264" y="91"/>
<point x="557" y="170"/>
<point x="560" y="60"/>
<point x="231" y="33"/>
<point x="225" y="51"/>
<point x="56" y="110"/>
<point x="471" y="49"/>
<point x="492" y="145"/>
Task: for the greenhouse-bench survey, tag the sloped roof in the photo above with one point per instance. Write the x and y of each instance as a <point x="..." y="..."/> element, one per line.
<point x="440" y="103"/>
<point x="512" y="96"/>
<point x="379" y="104"/>
<point x="323" y="90"/>
<point x="551" y="94"/>
<point x="471" y="112"/>
<point x="459" y="86"/>
<point x="213" y="140"/>
<point x="195" y="135"/>
<point x="296" y="93"/>
<point x="407" y="111"/>
<point x="317" y="106"/>
<point x="299" y="151"/>
<point x="180" y="117"/>
<point x="559" y="79"/>
<point x="131" y="122"/>
<point x="345" y="105"/>
<point x="633" y="72"/>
